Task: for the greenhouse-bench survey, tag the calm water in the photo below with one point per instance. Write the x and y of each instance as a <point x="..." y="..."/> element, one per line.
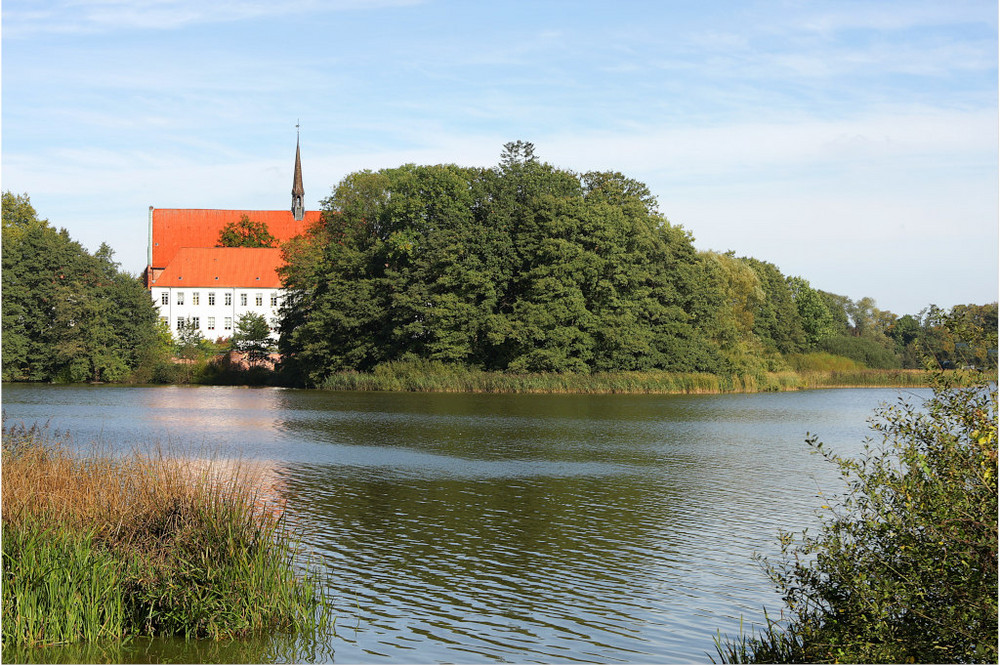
<point x="484" y="528"/>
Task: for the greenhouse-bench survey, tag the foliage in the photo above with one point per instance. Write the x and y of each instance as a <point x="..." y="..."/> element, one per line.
<point x="734" y="289"/>
<point x="526" y="268"/>
<point x="822" y="361"/>
<point x="904" y="569"/>
<point x="522" y="267"/>
<point x="99" y="548"/>
<point x="867" y="350"/>
<point x="814" y="314"/>
<point x="191" y="344"/>
<point x="776" y="318"/>
<point x="420" y="375"/>
<point x="246" y="233"/>
<point x="252" y="336"/>
<point x="68" y="315"/>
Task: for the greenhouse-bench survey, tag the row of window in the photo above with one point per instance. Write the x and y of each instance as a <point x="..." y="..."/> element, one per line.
<point x="195" y="321"/>
<point x="228" y="297"/>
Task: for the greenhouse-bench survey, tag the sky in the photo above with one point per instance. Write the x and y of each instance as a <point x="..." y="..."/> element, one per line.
<point x="854" y="144"/>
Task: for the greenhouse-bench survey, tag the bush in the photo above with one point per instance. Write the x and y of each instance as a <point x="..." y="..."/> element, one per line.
<point x="862" y="349"/>
<point x="818" y="361"/>
<point x="905" y="568"/>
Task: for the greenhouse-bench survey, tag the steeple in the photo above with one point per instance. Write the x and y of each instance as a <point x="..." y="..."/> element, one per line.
<point x="298" y="191"/>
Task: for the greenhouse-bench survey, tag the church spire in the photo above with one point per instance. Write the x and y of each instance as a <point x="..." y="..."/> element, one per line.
<point x="298" y="191"/>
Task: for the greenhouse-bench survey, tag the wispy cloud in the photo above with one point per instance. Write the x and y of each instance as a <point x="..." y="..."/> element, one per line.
<point x="23" y="18"/>
<point x="793" y="131"/>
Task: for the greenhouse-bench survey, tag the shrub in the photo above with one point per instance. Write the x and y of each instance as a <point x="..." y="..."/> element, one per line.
<point x="864" y="350"/>
<point x="821" y="361"/>
<point x="905" y="568"/>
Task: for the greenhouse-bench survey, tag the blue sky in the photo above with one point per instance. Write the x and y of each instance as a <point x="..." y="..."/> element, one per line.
<point x="852" y="143"/>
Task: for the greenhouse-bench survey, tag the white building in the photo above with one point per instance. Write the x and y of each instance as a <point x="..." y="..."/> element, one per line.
<point x="192" y="279"/>
<point x="212" y="287"/>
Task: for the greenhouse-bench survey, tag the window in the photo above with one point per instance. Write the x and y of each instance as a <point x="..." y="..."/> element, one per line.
<point x="195" y="322"/>
<point x="180" y="322"/>
<point x="229" y="299"/>
<point x="180" y="297"/>
<point x="274" y="300"/>
<point x="211" y="323"/>
<point x="164" y="297"/>
<point x="163" y="319"/>
<point x="211" y="299"/>
<point x="228" y="325"/>
<point x="259" y="299"/>
<point x="196" y="298"/>
<point x="243" y="300"/>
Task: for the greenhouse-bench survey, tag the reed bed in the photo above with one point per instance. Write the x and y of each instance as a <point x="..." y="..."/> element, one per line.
<point x="98" y="547"/>
<point x="433" y="376"/>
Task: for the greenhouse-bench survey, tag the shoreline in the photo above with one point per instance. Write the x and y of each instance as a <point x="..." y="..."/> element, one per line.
<point x="633" y="383"/>
<point x="108" y="549"/>
<point x="409" y="378"/>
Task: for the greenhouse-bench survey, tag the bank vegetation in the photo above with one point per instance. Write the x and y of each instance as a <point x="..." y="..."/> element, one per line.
<point x="521" y="276"/>
<point x="903" y="568"/>
<point x="100" y="547"/>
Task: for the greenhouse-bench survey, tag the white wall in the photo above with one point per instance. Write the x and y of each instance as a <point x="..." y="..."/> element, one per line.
<point x="188" y="302"/>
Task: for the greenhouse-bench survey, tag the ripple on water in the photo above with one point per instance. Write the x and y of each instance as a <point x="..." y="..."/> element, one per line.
<point x="517" y="528"/>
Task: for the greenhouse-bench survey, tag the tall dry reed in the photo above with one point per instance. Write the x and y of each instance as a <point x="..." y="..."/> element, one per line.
<point x="99" y="546"/>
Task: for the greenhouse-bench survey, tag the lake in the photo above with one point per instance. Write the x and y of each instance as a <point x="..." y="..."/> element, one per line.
<point x="501" y="528"/>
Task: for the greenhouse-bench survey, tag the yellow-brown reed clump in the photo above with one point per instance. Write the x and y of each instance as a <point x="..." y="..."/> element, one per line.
<point x="101" y="546"/>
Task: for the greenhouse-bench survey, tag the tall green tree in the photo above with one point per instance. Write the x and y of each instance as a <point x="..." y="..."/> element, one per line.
<point x="817" y="321"/>
<point x="252" y="336"/>
<point x="737" y="293"/>
<point x="68" y="315"/>
<point x="776" y="318"/>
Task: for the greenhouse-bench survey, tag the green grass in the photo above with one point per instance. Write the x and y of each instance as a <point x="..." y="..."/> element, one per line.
<point x="434" y="376"/>
<point x="821" y="361"/>
<point x="97" y="548"/>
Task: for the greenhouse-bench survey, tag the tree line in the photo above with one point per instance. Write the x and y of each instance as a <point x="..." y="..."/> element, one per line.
<point x="522" y="267"/>
<point x="73" y="316"/>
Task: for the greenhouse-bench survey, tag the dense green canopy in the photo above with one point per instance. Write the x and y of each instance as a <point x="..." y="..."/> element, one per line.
<point x="522" y="267"/>
<point x="68" y="315"/>
<point x="525" y="267"/>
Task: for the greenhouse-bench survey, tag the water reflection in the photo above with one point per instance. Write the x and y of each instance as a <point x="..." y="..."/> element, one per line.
<point x="273" y="649"/>
<point x="477" y="528"/>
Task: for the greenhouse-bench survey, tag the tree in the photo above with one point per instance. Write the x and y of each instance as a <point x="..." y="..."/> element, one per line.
<point x="522" y="267"/>
<point x="246" y="233"/>
<point x="776" y="319"/>
<point x="67" y="315"/>
<point x="817" y="321"/>
<point x="19" y="216"/>
<point x="737" y="293"/>
<point x="191" y="344"/>
<point x="904" y="569"/>
<point x="252" y="336"/>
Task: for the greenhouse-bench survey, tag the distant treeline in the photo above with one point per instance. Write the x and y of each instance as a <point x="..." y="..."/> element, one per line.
<point x="520" y="268"/>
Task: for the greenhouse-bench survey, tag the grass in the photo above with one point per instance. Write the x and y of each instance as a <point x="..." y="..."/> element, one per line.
<point x="99" y="547"/>
<point x="821" y="361"/>
<point x="769" y="644"/>
<point x="434" y="376"/>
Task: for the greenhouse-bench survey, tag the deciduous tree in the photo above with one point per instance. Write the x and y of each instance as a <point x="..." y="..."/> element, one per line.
<point x="246" y="233"/>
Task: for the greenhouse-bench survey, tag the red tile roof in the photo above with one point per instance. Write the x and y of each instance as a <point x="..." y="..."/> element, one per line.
<point x="174" y="228"/>
<point x="243" y="267"/>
